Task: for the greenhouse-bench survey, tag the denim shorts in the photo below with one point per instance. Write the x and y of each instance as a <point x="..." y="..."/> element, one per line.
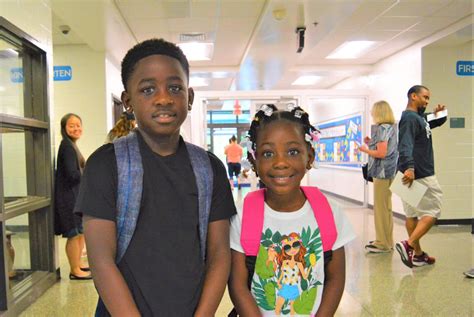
<point x="74" y="231"/>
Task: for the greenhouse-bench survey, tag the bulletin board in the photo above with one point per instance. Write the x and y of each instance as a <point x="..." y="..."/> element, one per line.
<point x="339" y="140"/>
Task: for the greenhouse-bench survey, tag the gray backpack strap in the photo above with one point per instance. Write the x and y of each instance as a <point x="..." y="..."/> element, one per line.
<point x="204" y="175"/>
<point x="129" y="192"/>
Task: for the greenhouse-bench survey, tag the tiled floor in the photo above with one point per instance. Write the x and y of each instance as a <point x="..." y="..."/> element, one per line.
<point x="376" y="284"/>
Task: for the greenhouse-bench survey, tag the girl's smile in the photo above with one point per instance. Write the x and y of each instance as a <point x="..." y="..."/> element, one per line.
<point x="283" y="157"/>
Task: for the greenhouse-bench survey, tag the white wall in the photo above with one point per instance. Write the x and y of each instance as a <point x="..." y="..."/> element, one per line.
<point x="330" y="177"/>
<point x="84" y="94"/>
<point x="114" y="88"/>
<point x="452" y="147"/>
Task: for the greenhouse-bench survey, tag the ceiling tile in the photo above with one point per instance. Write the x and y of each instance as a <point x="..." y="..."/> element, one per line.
<point x="394" y="23"/>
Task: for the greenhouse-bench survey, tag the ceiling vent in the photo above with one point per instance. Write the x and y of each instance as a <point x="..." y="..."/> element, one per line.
<point x="192" y="37"/>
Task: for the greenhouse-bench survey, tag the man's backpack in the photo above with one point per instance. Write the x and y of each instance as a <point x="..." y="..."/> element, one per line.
<point x="130" y="187"/>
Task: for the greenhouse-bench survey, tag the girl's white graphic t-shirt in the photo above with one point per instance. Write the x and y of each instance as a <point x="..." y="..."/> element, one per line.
<point x="289" y="270"/>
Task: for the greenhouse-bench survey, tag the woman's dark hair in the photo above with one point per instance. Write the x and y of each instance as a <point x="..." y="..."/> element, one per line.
<point x="64" y="120"/>
<point x="147" y="48"/>
<point x="269" y="113"/>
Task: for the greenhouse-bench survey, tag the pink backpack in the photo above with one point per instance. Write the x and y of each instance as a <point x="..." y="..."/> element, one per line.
<point x="252" y="219"/>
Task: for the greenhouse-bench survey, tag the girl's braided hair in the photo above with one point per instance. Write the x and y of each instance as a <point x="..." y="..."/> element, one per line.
<point x="269" y="113"/>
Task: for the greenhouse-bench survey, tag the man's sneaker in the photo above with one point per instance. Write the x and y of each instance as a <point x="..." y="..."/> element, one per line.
<point x="423" y="259"/>
<point x="469" y="273"/>
<point x="406" y="252"/>
<point x="374" y="249"/>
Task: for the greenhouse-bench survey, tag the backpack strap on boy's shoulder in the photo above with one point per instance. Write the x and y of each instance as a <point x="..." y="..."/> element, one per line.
<point x="129" y="189"/>
<point x="204" y="175"/>
<point x="323" y="214"/>
<point x="252" y="222"/>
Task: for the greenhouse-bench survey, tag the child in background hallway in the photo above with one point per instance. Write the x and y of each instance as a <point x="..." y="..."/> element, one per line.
<point x="291" y="274"/>
<point x="233" y="153"/>
<point x="123" y="127"/>
<point x="70" y="164"/>
<point x="164" y="271"/>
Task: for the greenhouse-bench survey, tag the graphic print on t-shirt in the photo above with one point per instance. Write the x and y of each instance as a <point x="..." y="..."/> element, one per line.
<point x="288" y="272"/>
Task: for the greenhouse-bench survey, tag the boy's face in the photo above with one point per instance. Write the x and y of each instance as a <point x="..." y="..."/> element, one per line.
<point x="283" y="157"/>
<point x="158" y="93"/>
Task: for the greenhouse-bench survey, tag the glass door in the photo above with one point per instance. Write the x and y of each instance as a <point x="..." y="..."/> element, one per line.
<point x="27" y="268"/>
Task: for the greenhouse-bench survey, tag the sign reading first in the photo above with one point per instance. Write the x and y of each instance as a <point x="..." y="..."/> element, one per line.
<point x="61" y="73"/>
<point x="465" y="68"/>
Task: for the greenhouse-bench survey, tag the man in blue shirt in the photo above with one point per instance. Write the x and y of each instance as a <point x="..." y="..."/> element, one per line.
<point x="416" y="162"/>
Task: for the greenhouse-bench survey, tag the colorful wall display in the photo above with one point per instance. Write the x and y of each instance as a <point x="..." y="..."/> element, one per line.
<point x="339" y="141"/>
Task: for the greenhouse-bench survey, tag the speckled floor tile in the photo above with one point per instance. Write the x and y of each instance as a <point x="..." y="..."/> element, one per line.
<point x="376" y="284"/>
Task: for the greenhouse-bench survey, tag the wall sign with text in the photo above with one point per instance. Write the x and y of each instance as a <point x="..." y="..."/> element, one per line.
<point x="61" y="73"/>
<point x="465" y="68"/>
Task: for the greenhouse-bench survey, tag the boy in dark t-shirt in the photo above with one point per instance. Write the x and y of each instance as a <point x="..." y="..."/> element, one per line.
<point x="162" y="272"/>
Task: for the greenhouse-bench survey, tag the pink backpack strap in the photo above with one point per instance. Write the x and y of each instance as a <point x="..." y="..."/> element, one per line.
<point x="252" y="222"/>
<point x="323" y="214"/>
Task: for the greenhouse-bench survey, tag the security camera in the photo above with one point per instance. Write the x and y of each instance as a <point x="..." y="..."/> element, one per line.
<point x="65" y="29"/>
<point x="300" y="38"/>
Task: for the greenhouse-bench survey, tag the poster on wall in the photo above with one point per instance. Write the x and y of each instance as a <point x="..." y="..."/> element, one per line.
<point x="339" y="141"/>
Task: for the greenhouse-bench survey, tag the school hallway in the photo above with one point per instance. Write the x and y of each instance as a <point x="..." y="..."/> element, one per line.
<point x="376" y="284"/>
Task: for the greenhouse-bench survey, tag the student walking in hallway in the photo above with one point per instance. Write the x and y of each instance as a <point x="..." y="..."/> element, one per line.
<point x="416" y="162"/>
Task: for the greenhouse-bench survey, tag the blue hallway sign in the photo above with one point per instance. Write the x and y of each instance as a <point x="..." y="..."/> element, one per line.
<point x="465" y="68"/>
<point x="16" y="75"/>
<point x="62" y="73"/>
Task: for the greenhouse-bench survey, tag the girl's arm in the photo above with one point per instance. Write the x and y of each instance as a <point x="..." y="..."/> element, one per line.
<point x="334" y="279"/>
<point x="217" y="268"/>
<point x="238" y="290"/>
<point x="101" y="241"/>
<point x="380" y="152"/>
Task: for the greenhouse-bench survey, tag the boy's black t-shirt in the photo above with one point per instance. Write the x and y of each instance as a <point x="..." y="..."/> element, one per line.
<point x="162" y="265"/>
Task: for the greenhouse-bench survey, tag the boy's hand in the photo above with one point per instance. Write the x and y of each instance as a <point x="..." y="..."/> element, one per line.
<point x="408" y="177"/>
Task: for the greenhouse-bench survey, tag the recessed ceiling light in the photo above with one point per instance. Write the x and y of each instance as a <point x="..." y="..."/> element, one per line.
<point x="197" y="51"/>
<point x="198" y="82"/>
<point x="306" y="80"/>
<point x="351" y="49"/>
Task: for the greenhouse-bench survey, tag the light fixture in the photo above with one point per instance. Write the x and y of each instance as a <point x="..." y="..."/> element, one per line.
<point x="351" y="49"/>
<point x="306" y="80"/>
<point x="197" y="51"/>
<point x="198" y="82"/>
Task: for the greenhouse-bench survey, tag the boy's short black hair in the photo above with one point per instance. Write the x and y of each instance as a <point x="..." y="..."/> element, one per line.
<point x="151" y="47"/>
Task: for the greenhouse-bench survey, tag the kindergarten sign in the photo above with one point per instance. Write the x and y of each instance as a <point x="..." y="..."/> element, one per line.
<point x="61" y="73"/>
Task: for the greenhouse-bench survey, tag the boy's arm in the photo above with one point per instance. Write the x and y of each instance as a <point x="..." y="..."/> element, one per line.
<point x="334" y="279"/>
<point x="217" y="268"/>
<point x="238" y="289"/>
<point x="101" y="241"/>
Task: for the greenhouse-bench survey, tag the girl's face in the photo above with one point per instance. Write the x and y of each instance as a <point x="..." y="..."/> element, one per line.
<point x="74" y="128"/>
<point x="282" y="157"/>
<point x="158" y="93"/>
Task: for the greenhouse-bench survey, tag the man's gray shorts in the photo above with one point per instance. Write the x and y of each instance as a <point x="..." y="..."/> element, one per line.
<point x="430" y="204"/>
